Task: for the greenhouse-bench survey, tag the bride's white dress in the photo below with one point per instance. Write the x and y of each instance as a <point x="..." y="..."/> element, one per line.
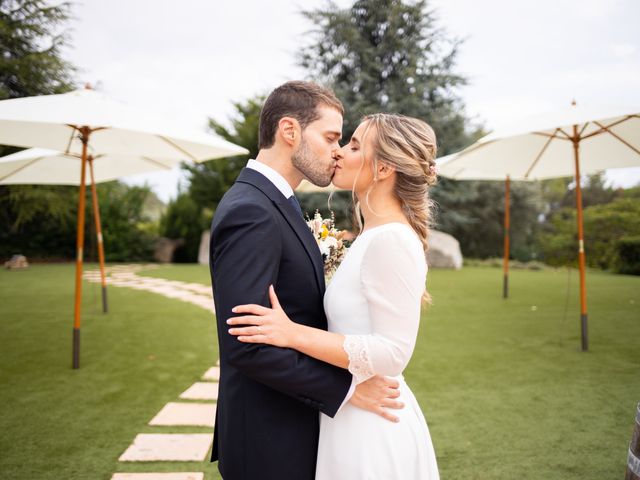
<point x="374" y="300"/>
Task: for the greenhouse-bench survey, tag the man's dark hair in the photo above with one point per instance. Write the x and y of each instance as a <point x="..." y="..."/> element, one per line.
<point x="297" y="99"/>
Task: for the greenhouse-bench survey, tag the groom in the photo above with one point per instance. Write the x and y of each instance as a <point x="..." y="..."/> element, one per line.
<point x="267" y="422"/>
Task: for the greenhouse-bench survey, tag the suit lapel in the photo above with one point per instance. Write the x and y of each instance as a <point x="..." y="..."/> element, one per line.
<point x="293" y="218"/>
<point x="305" y="236"/>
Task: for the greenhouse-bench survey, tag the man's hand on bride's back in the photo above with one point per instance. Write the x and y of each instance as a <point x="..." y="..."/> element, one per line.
<point x="377" y="395"/>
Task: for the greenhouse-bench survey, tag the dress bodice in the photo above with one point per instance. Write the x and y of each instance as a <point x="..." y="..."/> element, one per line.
<point x="374" y="299"/>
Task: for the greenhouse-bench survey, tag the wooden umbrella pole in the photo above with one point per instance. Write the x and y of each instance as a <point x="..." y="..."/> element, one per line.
<point x="84" y="135"/>
<point x="581" y="254"/>
<point x="96" y="216"/>
<point x="507" y="221"/>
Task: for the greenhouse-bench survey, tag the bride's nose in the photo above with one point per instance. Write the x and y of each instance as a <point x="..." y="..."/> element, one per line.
<point x="337" y="154"/>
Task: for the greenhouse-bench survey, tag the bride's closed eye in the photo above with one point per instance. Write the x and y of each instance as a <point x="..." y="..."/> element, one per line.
<point x="353" y="146"/>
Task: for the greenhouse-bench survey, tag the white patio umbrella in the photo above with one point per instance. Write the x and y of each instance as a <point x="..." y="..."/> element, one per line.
<point x="40" y="166"/>
<point x="571" y="141"/>
<point x="85" y="123"/>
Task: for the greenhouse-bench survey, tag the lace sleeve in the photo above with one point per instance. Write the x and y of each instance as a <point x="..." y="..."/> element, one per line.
<point x="359" y="365"/>
<point x="393" y="275"/>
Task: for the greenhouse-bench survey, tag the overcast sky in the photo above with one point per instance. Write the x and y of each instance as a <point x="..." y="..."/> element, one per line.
<point x="193" y="58"/>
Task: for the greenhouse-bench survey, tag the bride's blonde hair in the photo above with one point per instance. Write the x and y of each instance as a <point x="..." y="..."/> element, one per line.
<point x="409" y="145"/>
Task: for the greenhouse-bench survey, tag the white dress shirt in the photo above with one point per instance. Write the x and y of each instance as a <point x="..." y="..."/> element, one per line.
<point x="281" y="184"/>
<point x="273" y="176"/>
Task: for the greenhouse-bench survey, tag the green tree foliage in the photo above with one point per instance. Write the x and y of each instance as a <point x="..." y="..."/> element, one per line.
<point x="34" y="218"/>
<point x="41" y="222"/>
<point x="605" y="226"/>
<point x="184" y="219"/>
<point x="629" y="255"/>
<point x="560" y="193"/>
<point x="38" y="221"/>
<point x="209" y="181"/>
<point x="192" y="211"/>
<point x="31" y="40"/>
<point x="340" y="203"/>
<point x="388" y="56"/>
<point x="128" y="230"/>
<point x="473" y="212"/>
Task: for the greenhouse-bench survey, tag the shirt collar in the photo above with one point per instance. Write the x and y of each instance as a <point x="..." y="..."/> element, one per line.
<point x="273" y="176"/>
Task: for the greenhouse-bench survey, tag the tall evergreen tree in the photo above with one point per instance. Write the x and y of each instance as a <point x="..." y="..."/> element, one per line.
<point x="31" y="41"/>
<point x="34" y="219"/>
<point x="388" y="56"/>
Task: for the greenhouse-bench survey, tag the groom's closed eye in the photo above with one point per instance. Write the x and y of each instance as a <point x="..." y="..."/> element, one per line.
<point x="334" y="137"/>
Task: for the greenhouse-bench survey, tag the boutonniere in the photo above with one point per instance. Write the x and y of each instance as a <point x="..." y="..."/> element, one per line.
<point x="330" y="241"/>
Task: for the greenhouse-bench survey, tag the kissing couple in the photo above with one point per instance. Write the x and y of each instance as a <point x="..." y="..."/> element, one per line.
<point x="311" y="383"/>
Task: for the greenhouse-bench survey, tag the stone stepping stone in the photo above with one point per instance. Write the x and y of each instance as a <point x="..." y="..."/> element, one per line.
<point x="201" y="391"/>
<point x="168" y="447"/>
<point x="189" y="297"/>
<point x="188" y="414"/>
<point x="159" y="476"/>
<point x="212" y="374"/>
<point x="201" y="289"/>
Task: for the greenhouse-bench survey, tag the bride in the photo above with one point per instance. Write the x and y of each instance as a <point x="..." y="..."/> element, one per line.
<point x="372" y="303"/>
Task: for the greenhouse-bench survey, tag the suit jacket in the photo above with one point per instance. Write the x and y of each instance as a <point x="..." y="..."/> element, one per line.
<point x="267" y="420"/>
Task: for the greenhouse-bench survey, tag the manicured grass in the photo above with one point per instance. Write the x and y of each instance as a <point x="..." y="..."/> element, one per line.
<point x="59" y="423"/>
<point x="183" y="272"/>
<point x="504" y="387"/>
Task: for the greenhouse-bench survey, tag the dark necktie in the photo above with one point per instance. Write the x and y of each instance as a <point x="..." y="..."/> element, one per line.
<point x="294" y="203"/>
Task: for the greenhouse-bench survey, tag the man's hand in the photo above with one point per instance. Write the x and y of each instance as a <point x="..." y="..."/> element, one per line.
<point x="377" y="395"/>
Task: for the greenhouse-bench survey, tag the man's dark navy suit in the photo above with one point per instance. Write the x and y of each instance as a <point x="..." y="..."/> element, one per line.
<point x="267" y="420"/>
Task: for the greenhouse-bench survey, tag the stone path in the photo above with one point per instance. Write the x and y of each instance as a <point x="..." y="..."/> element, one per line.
<point x="126" y="276"/>
<point x="170" y="447"/>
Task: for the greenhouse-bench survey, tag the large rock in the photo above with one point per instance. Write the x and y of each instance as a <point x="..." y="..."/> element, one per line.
<point x="165" y="247"/>
<point x="444" y="251"/>
<point x="17" y="262"/>
<point x="203" y="251"/>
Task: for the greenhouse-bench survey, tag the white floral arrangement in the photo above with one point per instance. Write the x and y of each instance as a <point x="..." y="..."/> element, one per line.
<point x="330" y="241"/>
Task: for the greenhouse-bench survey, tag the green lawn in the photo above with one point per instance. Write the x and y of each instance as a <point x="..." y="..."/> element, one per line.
<point x="60" y="423"/>
<point x="506" y="391"/>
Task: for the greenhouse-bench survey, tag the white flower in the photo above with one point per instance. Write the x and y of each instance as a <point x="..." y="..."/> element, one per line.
<point x="328" y="243"/>
<point x="324" y="248"/>
<point x="315" y="224"/>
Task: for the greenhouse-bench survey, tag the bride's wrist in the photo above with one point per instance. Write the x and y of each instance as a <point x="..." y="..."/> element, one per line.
<point x="297" y="336"/>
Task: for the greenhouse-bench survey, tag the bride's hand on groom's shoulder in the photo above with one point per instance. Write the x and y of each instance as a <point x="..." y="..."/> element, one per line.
<point x="260" y="324"/>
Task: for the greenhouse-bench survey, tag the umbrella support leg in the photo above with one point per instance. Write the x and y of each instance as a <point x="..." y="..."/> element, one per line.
<point x="507" y="220"/>
<point x="79" y="251"/>
<point x="96" y="216"/>
<point x="581" y="255"/>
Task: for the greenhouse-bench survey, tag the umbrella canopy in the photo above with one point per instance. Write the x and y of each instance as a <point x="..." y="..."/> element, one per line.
<point x="89" y="125"/>
<point x="570" y="141"/>
<point x="54" y="122"/>
<point x="40" y="166"/>
<point x="541" y="146"/>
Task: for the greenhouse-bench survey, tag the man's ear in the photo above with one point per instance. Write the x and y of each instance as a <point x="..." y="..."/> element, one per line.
<point x="289" y="130"/>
